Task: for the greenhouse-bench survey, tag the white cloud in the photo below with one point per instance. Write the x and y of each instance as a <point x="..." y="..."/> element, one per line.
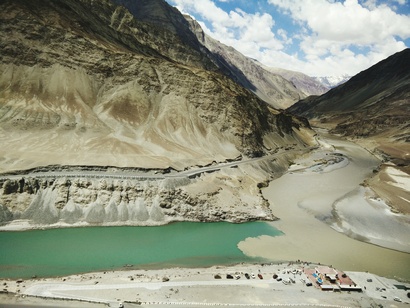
<point x="332" y="37"/>
<point x="401" y="2"/>
<point x="283" y="34"/>
<point x="246" y="32"/>
<point x="347" y="22"/>
<point x="337" y="31"/>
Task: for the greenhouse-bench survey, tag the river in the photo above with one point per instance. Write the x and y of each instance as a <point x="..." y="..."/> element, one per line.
<point x="57" y="252"/>
<point x="306" y="200"/>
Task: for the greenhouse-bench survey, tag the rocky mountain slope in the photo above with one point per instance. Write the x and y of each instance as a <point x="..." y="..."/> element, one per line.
<point x="81" y="78"/>
<point x="306" y="84"/>
<point x="94" y="83"/>
<point x="278" y="87"/>
<point x="373" y="105"/>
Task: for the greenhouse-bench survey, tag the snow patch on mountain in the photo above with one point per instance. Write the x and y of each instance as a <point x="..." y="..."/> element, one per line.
<point x="332" y="81"/>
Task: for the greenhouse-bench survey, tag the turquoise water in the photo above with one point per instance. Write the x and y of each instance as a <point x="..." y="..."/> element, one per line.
<point x="58" y="252"/>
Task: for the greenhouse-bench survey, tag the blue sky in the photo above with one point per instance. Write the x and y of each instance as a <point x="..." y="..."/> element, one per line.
<point x="316" y="37"/>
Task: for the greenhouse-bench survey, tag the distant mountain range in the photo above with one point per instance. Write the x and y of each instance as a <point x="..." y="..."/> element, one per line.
<point x="308" y="85"/>
<point x="278" y="87"/>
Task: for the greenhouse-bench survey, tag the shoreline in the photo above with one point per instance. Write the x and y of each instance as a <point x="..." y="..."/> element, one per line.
<point x="209" y="286"/>
<point x="22" y="225"/>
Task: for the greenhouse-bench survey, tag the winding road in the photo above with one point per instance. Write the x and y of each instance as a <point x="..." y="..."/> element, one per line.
<point x="149" y="175"/>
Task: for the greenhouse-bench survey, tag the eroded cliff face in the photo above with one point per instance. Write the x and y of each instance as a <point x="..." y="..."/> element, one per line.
<point x="228" y="194"/>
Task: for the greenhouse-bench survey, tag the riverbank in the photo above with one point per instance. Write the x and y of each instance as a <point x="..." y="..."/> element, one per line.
<point x="214" y="286"/>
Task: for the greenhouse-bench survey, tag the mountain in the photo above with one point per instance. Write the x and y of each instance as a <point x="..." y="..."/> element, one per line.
<point x="332" y="81"/>
<point x="89" y="83"/>
<point x="106" y="105"/>
<point x="373" y="105"/>
<point x="308" y="85"/>
<point x="280" y="88"/>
